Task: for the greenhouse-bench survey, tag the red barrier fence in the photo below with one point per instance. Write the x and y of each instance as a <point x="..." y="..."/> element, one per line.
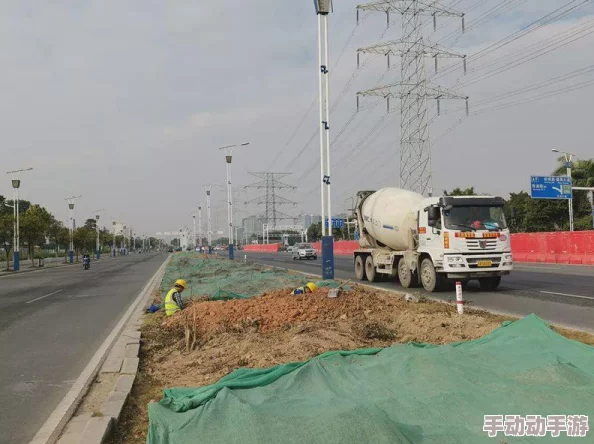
<point x="552" y="248"/>
<point x="263" y="248"/>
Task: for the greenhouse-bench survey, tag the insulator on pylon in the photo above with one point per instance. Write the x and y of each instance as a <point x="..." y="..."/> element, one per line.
<point x="388" y="19"/>
<point x="464" y="63"/>
<point x="438" y="107"/>
<point x="467" y="113"/>
<point x="434" y="22"/>
<point x="388" y="104"/>
<point x="357" y="103"/>
<point x="388" y="56"/>
<point x="463" y="25"/>
<point x="435" y="63"/>
<point x="358" y="59"/>
<point x="357" y="17"/>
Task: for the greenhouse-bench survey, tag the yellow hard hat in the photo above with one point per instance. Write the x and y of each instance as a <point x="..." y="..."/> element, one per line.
<point x="311" y="286"/>
<point x="181" y="283"/>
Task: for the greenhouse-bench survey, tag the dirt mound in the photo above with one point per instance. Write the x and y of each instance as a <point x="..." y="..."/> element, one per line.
<point x="280" y="310"/>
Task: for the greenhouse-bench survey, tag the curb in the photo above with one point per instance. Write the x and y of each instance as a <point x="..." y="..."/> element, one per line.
<point x="97" y="428"/>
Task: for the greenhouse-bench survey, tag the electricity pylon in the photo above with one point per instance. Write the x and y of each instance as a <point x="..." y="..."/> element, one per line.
<point x="413" y="89"/>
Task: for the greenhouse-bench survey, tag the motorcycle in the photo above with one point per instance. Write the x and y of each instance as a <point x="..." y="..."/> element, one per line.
<point x="86" y="263"/>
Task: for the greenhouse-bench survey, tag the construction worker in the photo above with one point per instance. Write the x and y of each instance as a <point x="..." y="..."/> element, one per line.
<point x="173" y="300"/>
<point x="308" y="288"/>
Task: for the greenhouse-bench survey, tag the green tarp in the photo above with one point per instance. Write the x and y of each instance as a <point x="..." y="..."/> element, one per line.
<point x="414" y="393"/>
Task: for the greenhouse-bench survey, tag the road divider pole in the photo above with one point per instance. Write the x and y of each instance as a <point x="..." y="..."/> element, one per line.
<point x="459" y="299"/>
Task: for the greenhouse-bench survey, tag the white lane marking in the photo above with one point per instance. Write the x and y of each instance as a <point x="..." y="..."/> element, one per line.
<point x="527" y="267"/>
<point x="42" y="297"/>
<point x="569" y="295"/>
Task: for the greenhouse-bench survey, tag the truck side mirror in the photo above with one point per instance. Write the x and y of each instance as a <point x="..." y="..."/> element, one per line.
<point x="432" y="216"/>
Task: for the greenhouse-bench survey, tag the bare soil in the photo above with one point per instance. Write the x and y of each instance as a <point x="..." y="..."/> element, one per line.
<point x="278" y="327"/>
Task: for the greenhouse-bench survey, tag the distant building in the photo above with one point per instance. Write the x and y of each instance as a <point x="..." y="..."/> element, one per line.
<point x="310" y="219"/>
<point x="252" y="225"/>
<point x="119" y="229"/>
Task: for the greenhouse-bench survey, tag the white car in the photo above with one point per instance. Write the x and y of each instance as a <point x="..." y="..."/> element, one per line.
<point x="304" y="251"/>
<point x="290" y="249"/>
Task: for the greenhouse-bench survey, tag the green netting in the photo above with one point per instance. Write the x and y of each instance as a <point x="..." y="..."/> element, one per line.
<point x="415" y="393"/>
<point x="223" y="295"/>
<point x="219" y="278"/>
<point x="333" y="284"/>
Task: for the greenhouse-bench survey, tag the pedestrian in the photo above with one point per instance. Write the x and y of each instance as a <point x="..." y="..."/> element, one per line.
<point x="173" y="300"/>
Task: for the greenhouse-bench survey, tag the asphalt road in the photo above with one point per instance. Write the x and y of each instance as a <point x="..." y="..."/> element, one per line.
<point x="561" y="294"/>
<point x="51" y="323"/>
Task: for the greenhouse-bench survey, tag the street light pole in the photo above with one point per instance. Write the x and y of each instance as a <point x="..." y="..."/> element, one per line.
<point x="114" y="239"/>
<point x="16" y="184"/>
<point x="194" y="227"/>
<point x="208" y="189"/>
<point x="98" y="245"/>
<point x="323" y="9"/>
<point x="71" y="208"/>
<point x="568" y="159"/>
<point x="200" y="226"/>
<point x="228" y="158"/>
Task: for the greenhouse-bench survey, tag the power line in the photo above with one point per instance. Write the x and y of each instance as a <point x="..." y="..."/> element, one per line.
<point x="540" y="22"/>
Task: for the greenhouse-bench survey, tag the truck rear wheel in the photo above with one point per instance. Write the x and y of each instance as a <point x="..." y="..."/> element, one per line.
<point x="405" y="275"/>
<point x="359" y="268"/>
<point x="429" y="277"/>
<point x="490" y="284"/>
<point x="370" y="269"/>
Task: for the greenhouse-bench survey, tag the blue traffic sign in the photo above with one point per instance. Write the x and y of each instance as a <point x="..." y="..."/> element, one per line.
<point x="550" y="187"/>
<point x="336" y="223"/>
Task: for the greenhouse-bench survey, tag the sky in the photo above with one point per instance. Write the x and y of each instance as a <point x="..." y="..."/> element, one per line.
<point x="127" y="102"/>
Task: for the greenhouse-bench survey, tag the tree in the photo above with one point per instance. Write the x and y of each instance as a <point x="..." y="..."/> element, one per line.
<point x="460" y="192"/>
<point x="525" y="214"/>
<point x="84" y="240"/>
<point x="314" y="232"/>
<point x="34" y="225"/>
<point x="91" y="224"/>
<point x="582" y="172"/>
<point x="582" y="175"/>
<point x="6" y="235"/>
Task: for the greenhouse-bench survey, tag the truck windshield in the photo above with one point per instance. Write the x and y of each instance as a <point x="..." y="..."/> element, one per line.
<point x="475" y="218"/>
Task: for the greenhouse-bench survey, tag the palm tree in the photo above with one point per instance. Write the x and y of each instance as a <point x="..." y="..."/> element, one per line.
<point x="582" y="172"/>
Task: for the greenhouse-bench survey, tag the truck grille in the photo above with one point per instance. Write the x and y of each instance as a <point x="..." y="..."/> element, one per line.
<point x="473" y="262"/>
<point x="477" y="244"/>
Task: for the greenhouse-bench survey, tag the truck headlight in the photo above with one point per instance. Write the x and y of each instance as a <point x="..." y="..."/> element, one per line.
<point x="454" y="259"/>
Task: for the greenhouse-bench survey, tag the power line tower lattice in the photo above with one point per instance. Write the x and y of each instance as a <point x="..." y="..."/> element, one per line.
<point x="413" y="89"/>
<point x="271" y="182"/>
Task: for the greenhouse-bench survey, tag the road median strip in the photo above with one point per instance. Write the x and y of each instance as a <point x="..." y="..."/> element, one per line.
<point x="213" y="343"/>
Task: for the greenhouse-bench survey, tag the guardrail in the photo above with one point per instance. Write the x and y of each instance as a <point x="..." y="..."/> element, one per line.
<point x="575" y="248"/>
<point x="262" y="248"/>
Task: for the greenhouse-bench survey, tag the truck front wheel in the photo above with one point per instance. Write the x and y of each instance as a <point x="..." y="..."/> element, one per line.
<point x="370" y="269"/>
<point x="429" y="278"/>
<point x="405" y="275"/>
<point x="490" y="284"/>
<point x="359" y="268"/>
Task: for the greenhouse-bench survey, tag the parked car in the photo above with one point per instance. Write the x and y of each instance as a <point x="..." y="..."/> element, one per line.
<point x="304" y="251"/>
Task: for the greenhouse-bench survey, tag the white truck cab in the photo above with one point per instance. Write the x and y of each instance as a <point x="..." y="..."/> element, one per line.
<point x="465" y="237"/>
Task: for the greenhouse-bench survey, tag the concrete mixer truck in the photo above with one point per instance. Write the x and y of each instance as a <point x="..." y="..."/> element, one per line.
<point x="431" y="240"/>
